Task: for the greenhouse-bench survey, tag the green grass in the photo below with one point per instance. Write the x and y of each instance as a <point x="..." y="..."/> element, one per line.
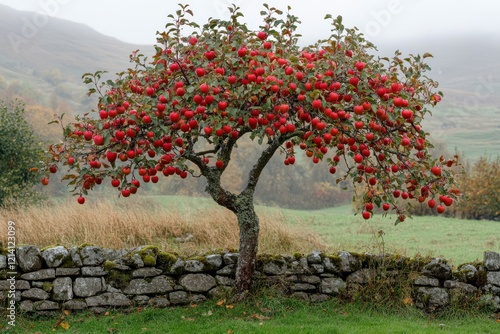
<point x="267" y="315"/>
<point x="457" y="240"/>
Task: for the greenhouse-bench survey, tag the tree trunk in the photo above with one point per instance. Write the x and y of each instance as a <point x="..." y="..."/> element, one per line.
<point x="248" y="223"/>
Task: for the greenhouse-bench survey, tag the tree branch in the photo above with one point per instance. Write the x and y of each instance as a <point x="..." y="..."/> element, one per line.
<point x="254" y="174"/>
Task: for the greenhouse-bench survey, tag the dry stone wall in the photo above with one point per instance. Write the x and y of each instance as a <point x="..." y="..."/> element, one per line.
<point x="93" y="278"/>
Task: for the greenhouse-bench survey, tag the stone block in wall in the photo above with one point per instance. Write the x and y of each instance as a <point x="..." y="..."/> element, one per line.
<point x="75" y="304"/>
<point x="45" y="305"/>
<point x="490" y="301"/>
<point x="219" y="291"/>
<point x="224" y="280"/>
<point x="140" y="300"/>
<point x="318" y="298"/>
<point x="275" y="267"/>
<point x="348" y="262"/>
<point x="62" y="288"/>
<point x="19" y="284"/>
<point x="146" y="272"/>
<point x="438" y="268"/>
<point x="316" y="268"/>
<point x="178" y="267"/>
<point x="467" y="273"/>
<point x="42" y="274"/>
<point x="26" y="306"/>
<point x="197" y="282"/>
<point x="178" y="297"/>
<point x="492" y="261"/>
<point x="466" y="288"/>
<point x="362" y="276"/>
<point x="332" y="266"/>
<point x="94" y="271"/>
<point x="158" y="285"/>
<point x="75" y="256"/>
<point x="493" y="277"/>
<point x="214" y="261"/>
<point x="3" y="261"/>
<point x="229" y="270"/>
<point x="426" y="281"/>
<point x="311" y="279"/>
<point x="108" y="299"/>
<point x="432" y="299"/>
<point x="314" y="257"/>
<point x="300" y="295"/>
<point x="67" y="271"/>
<point x="87" y="286"/>
<point x="160" y="302"/>
<point x="194" y="266"/>
<point x="197" y="298"/>
<point x="92" y="256"/>
<point x="230" y="258"/>
<point x="29" y="258"/>
<point x="332" y="286"/>
<point x="55" y="256"/>
<point x="302" y="287"/>
<point x="35" y="294"/>
<point x="299" y="266"/>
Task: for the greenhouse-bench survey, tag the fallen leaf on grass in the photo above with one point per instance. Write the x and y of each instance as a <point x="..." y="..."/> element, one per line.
<point x="112" y="329"/>
<point x="230" y="306"/>
<point x="193" y="306"/>
<point x="187" y="319"/>
<point x="207" y="314"/>
<point x="57" y="324"/>
<point x="221" y="302"/>
<point x="65" y="325"/>
<point x="66" y="312"/>
<point x="107" y="313"/>
<point x="230" y="331"/>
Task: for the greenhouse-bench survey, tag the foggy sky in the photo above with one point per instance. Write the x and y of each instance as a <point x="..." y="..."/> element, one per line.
<point x="380" y="20"/>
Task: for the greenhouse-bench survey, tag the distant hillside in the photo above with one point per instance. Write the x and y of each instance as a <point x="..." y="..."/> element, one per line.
<point x="70" y="47"/>
<point x="46" y="70"/>
<point x="467" y="68"/>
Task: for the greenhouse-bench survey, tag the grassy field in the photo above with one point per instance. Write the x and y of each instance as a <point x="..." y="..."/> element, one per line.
<point x="265" y="315"/>
<point x="340" y="229"/>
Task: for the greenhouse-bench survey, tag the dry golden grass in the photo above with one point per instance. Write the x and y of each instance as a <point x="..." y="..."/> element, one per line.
<point x="121" y="225"/>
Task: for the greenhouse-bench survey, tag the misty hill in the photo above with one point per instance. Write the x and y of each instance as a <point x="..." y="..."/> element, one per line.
<point x="70" y="47"/>
<point x="44" y="65"/>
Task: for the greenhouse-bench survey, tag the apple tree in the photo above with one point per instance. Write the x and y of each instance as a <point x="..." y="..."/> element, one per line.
<point x="182" y="113"/>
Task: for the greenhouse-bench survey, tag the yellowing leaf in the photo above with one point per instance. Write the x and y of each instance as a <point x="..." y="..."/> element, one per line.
<point x="67" y="312"/>
<point x="193" y="306"/>
<point x="229" y="306"/>
<point x="221" y="302"/>
<point x="65" y="325"/>
<point x="107" y="313"/>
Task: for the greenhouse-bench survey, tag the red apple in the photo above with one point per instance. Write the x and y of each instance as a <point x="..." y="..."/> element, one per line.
<point x="436" y="170"/>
